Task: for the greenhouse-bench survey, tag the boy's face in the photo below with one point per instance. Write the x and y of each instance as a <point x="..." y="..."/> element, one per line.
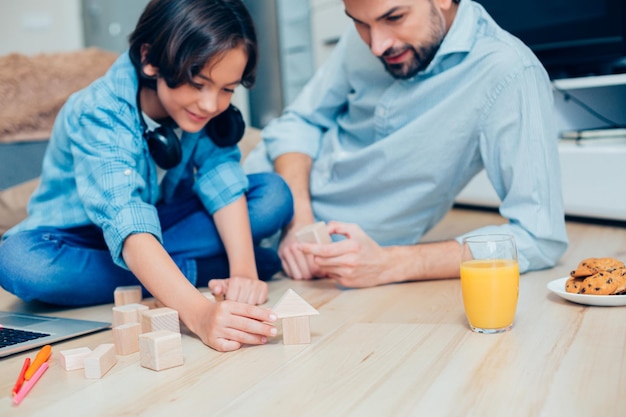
<point x="192" y="105"/>
<point x="403" y="34"/>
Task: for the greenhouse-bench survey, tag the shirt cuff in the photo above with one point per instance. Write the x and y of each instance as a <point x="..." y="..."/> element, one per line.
<point x="221" y="186"/>
<point x="287" y="135"/>
<point x="130" y="220"/>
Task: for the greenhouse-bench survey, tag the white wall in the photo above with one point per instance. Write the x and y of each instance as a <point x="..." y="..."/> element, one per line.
<point x="35" y="26"/>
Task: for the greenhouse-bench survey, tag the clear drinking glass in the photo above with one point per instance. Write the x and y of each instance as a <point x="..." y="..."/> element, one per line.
<point x="489" y="282"/>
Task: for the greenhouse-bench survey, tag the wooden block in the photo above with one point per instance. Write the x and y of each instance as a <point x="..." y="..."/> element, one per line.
<point x="294" y="312"/>
<point x="152" y="303"/>
<point x="163" y="318"/>
<point x="313" y="233"/>
<point x="159" y="350"/>
<point x="296" y="330"/>
<point x="130" y="294"/>
<point x="209" y="295"/>
<point x="128" y="313"/>
<point x="100" y="361"/>
<point x="126" y="338"/>
<point x="292" y="305"/>
<point x="72" y="359"/>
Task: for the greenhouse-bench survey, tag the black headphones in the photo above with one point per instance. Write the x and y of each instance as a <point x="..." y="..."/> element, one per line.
<point x="225" y="129"/>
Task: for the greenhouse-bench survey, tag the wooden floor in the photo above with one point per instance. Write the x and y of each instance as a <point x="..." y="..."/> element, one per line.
<point x="397" y="350"/>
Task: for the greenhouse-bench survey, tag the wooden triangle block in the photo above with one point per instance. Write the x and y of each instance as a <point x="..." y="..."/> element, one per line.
<point x="292" y="305"/>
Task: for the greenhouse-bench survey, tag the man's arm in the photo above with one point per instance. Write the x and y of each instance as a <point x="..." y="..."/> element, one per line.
<point x="295" y="168"/>
<point x="519" y="150"/>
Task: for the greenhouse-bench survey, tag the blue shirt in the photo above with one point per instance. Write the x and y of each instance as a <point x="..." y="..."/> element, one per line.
<point x="391" y="155"/>
<point x="97" y="168"/>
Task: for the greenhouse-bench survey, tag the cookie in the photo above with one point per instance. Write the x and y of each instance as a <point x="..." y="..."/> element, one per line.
<point x="621" y="281"/>
<point x="602" y="283"/>
<point x="574" y="285"/>
<point x="591" y="266"/>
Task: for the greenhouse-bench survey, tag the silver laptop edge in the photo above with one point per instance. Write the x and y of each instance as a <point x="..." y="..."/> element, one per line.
<point x="58" y="328"/>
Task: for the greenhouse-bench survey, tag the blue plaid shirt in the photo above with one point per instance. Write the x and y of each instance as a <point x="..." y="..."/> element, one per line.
<point x="98" y="170"/>
<point x="391" y="155"/>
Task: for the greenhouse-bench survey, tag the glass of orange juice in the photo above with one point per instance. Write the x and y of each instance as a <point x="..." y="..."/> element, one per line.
<point x="489" y="282"/>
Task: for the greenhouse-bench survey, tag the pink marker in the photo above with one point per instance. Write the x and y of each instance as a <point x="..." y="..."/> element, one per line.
<point x="30" y="384"/>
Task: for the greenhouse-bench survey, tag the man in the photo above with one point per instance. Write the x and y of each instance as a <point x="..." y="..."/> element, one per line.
<point x="388" y="147"/>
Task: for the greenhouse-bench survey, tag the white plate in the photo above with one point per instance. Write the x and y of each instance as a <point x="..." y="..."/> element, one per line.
<point x="558" y="287"/>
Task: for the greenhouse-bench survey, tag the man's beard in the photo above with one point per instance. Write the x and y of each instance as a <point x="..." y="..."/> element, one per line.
<point x="418" y="62"/>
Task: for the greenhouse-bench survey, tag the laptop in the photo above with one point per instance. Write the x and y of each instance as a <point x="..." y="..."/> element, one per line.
<point x="20" y="332"/>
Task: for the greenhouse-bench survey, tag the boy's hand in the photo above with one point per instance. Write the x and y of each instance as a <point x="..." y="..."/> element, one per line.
<point x="227" y="325"/>
<point x="241" y="289"/>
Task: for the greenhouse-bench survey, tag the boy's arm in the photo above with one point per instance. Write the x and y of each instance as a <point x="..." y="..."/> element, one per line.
<point x="233" y="225"/>
<point x="222" y="326"/>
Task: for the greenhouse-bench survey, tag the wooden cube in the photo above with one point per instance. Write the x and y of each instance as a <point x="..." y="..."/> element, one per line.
<point x="126" y="338"/>
<point x="130" y="294"/>
<point x="100" y="361"/>
<point x="128" y="313"/>
<point x="163" y="318"/>
<point x="72" y="359"/>
<point x="159" y="350"/>
<point x="313" y="233"/>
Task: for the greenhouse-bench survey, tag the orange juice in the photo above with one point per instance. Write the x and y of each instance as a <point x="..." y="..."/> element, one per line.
<point x="490" y="290"/>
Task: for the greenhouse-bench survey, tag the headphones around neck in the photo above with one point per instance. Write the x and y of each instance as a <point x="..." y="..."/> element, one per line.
<point x="225" y="129"/>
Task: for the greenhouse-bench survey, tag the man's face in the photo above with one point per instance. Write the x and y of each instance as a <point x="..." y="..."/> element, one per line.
<point x="403" y="34"/>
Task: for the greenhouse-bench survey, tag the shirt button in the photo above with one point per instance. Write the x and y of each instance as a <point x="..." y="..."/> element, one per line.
<point x="380" y="112"/>
<point x="127" y="172"/>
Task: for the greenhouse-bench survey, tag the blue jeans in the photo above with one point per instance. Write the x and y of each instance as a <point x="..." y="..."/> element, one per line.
<point x="73" y="267"/>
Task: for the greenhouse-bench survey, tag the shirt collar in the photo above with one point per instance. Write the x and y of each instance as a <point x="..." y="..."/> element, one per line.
<point x="462" y="33"/>
<point x="458" y="41"/>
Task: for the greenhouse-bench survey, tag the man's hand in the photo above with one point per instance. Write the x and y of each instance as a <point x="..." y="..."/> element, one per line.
<point x="355" y="262"/>
<point x="297" y="264"/>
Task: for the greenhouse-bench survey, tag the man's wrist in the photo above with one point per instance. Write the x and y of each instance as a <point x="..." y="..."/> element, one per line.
<point x="402" y="264"/>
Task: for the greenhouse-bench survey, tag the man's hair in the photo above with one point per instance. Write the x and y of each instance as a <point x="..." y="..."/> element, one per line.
<point x="456" y="1"/>
<point x="184" y="35"/>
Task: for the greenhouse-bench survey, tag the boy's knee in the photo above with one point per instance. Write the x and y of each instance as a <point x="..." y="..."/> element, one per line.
<point x="22" y="272"/>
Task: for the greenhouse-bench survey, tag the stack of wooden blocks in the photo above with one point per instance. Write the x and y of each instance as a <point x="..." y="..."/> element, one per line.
<point x="153" y="332"/>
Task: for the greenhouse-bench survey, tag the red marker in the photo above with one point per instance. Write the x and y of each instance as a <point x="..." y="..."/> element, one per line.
<point x="28" y="385"/>
<point x="20" y="379"/>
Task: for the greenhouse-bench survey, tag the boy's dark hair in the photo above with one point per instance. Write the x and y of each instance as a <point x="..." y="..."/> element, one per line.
<point x="184" y="35"/>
